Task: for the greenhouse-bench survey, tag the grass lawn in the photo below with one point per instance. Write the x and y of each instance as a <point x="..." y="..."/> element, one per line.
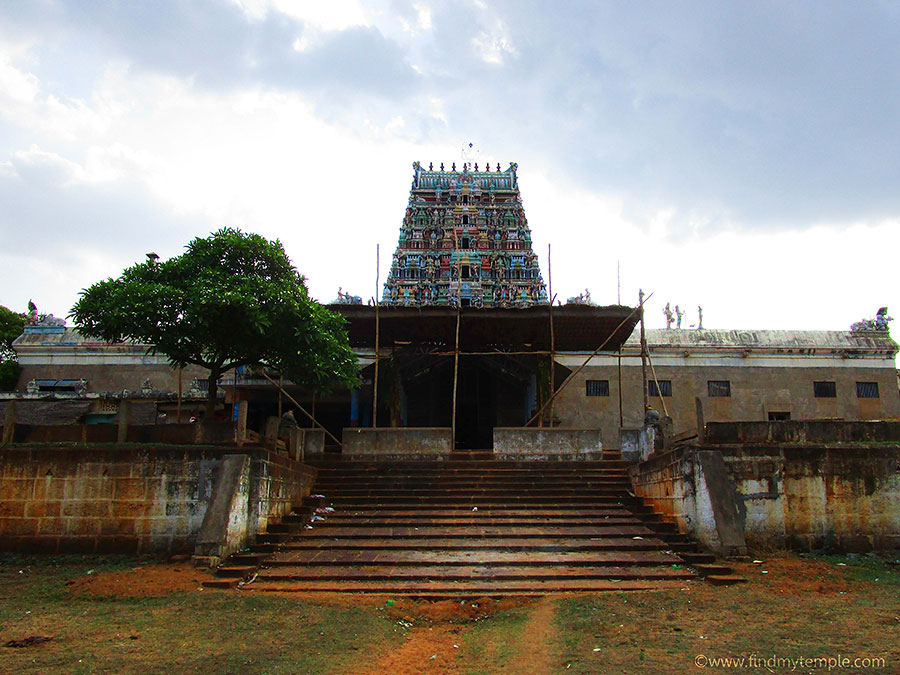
<point x="122" y="614"/>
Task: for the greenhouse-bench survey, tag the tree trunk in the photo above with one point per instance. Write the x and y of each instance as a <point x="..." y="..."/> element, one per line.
<point x="212" y="394"/>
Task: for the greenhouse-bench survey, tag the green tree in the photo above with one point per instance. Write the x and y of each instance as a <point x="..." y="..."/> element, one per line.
<point x="11" y="324"/>
<point x="231" y="299"/>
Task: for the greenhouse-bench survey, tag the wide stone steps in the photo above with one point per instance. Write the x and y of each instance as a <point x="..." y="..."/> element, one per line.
<point x="472" y="557"/>
<point x="471" y="528"/>
<point x="508" y="543"/>
<point x="441" y="589"/>
<point x="466" y="514"/>
<point x="474" y="490"/>
<point x="482" y="467"/>
<point x="473" y="572"/>
<point x="324" y="535"/>
<point x="400" y="501"/>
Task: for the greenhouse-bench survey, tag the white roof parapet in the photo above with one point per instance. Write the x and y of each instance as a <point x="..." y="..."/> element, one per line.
<point x="69" y="338"/>
<point x="777" y="341"/>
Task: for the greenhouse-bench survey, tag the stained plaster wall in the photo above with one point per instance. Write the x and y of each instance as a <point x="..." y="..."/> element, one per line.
<point x="130" y="498"/>
<point x="842" y="496"/>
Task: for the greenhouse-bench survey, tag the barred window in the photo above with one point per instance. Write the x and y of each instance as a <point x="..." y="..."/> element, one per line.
<point x="867" y="390"/>
<point x="597" y="388"/>
<point x="718" y="388"/>
<point x="824" y="390"/>
<point x="664" y="388"/>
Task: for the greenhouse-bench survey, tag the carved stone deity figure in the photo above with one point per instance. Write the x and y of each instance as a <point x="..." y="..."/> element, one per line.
<point x="667" y="311"/>
<point x="700" y="315"/>
<point x="678" y="315"/>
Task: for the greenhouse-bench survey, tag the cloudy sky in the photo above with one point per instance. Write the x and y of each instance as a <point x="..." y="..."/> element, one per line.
<point x="740" y="156"/>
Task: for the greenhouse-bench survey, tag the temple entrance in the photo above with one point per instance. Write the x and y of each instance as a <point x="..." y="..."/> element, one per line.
<point x="495" y="390"/>
<point x="492" y="391"/>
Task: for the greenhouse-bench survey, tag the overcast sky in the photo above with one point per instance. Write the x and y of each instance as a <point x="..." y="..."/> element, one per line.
<point x="740" y="156"/>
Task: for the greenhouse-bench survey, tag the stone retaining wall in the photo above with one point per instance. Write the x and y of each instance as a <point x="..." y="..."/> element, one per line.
<point x="397" y="442"/>
<point x="844" y="498"/>
<point x="546" y="443"/>
<point x="128" y="497"/>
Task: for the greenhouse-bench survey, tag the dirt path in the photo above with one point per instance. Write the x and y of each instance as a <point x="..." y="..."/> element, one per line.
<point x="428" y="649"/>
<point x="536" y="641"/>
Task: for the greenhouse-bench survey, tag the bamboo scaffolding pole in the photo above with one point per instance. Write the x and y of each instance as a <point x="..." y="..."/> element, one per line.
<point x="377" y="337"/>
<point x="621" y="404"/>
<point x="643" y="350"/>
<point x="588" y="359"/>
<point x="658" y="391"/>
<point x="280" y="389"/>
<point x="552" y="337"/>
<point x="533" y="352"/>
<point x="456" y="346"/>
<point x="178" y="415"/>
<point x="302" y="409"/>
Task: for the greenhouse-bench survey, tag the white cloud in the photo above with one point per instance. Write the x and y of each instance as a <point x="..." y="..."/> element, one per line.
<point x="494" y="44"/>
<point x="331" y="15"/>
<point x="743" y="181"/>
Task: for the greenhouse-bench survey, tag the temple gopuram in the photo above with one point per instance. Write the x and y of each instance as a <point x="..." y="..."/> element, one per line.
<point x="464" y="241"/>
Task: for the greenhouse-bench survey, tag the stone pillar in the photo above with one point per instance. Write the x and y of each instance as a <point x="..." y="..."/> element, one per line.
<point x="9" y="422"/>
<point x="240" y="423"/>
<point x="124" y="421"/>
<point x="295" y="443"/>
<point x="270" y="434"/>
<point x="354" y="408"/>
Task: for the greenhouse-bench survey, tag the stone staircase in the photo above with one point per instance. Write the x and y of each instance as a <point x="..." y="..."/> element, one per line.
<point x="471" y="527"/>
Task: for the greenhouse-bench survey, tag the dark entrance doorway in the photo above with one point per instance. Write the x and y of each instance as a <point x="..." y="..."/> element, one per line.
<point x="494" y="390"/>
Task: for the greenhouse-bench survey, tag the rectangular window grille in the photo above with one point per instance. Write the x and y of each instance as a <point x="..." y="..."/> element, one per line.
<point x="718" y="388"/>
<point x="867" y="390"/>
<point x="597" y="388"/>
<point x="824" y="390"/>
<point x="664" y="388"/>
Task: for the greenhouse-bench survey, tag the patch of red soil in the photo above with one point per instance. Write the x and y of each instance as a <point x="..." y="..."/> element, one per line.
<point x="147" y="581"/>
<point x="797" y="576"/>
<point x="426" y="650"/>
<point x="539" y="635"/>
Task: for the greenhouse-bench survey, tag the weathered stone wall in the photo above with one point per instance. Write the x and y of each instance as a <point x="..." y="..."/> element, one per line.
<point x="103" y="376"/>
<point x="756" y="391"/>
<point x="426" y="442"/>
<point x="211" y="433"/>
<point x="847" y="498"/>
<point x="129" y="498"/>
<point x="821" y="431"/>
<point x="637" y="443"/>
<point x="812" y="496"/>
<point x="546" y="443"/>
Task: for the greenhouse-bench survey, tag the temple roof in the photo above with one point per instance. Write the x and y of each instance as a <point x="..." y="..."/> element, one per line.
<point x="576" y="327"/>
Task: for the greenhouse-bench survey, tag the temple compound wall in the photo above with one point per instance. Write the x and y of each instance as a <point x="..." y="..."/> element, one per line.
<point x="827" y="485"/>
<point x="134" y="498"/>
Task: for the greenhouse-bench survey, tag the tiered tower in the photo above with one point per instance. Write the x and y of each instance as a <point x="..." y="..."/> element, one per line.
<point x="464" y="240"/>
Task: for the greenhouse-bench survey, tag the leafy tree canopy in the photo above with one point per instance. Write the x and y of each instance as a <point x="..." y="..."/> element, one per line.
<point x="11" y="324"/>
<point x="231" y="299"/>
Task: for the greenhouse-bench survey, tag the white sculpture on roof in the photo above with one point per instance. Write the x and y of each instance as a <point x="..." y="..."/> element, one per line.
<point x="879" y="323"/>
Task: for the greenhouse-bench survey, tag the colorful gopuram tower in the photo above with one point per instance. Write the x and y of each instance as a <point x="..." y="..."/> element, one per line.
<point x="464" y="240"/>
